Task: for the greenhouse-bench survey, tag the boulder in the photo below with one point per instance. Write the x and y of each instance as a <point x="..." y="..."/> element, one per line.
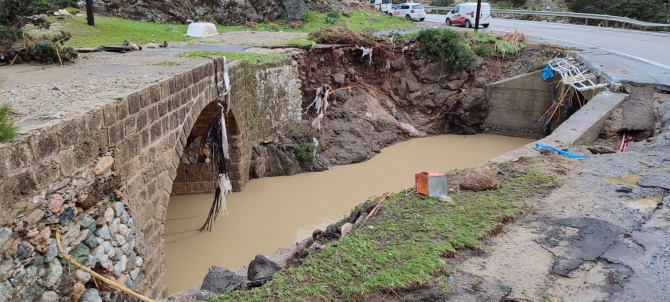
<point x="261" y="268"/>
<point x="653" y="181"/>
<point x="479" y="179"/>
<point x="598" y="149"/>
<point x="220" y="280"/>
<point x="338" y="79"/>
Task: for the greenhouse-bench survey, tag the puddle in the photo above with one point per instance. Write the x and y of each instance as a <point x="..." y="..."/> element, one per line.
<point x="630" y="179"/>
<point x="648" y="203"/>
<point x="274" y="212"/>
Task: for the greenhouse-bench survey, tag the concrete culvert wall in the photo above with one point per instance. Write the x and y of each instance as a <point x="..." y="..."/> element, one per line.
<point x="104" y="179"/>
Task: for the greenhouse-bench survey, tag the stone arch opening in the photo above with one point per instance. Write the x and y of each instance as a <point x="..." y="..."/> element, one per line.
<point x="196" y="173"/>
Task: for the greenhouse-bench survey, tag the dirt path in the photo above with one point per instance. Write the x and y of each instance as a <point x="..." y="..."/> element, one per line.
<point x="591" y="239"/>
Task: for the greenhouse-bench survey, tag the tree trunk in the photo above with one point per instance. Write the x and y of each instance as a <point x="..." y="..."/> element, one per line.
<point x="89" y="13"/>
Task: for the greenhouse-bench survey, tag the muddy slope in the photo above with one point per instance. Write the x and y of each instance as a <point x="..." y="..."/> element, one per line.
<point x="396" y="95"/>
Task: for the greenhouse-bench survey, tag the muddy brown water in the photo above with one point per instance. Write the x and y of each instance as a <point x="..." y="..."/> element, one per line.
<point x="271" y="213"/>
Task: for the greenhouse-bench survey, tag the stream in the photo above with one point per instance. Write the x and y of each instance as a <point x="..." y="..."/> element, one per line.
<point x="271" y="213"/>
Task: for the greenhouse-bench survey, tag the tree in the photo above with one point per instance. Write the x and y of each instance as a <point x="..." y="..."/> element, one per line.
<point x="89" y="13"/>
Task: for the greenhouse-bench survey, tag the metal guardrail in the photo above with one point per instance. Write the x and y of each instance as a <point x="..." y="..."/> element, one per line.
<point x="606" y="18"/>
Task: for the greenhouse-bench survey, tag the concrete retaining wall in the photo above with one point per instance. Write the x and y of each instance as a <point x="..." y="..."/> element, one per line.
<point x="516" y="105"/>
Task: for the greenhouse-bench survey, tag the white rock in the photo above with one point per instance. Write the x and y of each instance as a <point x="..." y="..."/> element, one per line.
<point x="120" y="239"/>
<point x="139" y="261"/>
<point x="124" y="261"/>
<point x="114" y="226"/>
<point x="123" y="230"/>
<point x="82" y="276"/>
<point x="109" y="214"/>
<point x="106" y="246"/>
<point x="111" y="253"/>
<point x="134" y="273"/>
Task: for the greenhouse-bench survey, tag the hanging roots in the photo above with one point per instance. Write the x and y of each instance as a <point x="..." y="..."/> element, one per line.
<point x="320" y="104"/>
<point x="218" y="140"/>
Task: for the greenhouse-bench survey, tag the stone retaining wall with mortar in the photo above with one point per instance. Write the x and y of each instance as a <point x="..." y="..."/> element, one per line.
<point x="104" y="180"/>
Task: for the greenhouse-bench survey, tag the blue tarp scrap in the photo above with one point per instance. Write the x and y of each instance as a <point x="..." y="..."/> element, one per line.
<point x="547" y="73"/>
<point x="539" y="148"/>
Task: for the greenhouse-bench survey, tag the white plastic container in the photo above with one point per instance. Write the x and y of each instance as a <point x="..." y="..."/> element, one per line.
<point x="201" y="30"/>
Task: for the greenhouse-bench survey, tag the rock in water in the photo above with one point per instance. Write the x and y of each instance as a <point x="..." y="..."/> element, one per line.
<point x="261" y="268"/>
<point x="479" y="179"/>
<point x="220" y="280"/>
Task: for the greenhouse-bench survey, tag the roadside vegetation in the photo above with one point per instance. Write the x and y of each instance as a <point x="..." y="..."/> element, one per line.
<point x="248" y="58"/>
<point x="406" y="244"/>
<point x="7" y="128"/>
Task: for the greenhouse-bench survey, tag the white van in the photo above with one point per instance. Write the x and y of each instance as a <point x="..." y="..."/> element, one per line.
<point x="464" y="14"/>
<point x="382" y="5"/>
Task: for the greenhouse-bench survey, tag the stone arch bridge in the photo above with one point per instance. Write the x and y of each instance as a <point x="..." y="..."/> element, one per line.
<point x="119" y="164"/>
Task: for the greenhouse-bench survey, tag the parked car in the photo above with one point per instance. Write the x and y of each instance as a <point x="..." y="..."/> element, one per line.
<point x="382" y="5"/>
<point x="464" y="14"/>
<point x="410" y="11"/>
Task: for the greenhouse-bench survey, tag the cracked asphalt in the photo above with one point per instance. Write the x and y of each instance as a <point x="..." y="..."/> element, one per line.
<point x="590" y="239"/>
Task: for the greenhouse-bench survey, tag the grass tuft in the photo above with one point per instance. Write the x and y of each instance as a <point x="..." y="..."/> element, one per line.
<point x="405" y="249"/>
<point x="249" y="58"/>
<point x="7" y="128"/>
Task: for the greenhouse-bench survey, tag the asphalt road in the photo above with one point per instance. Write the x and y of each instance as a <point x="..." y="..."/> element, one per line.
<point x="646" y="46"/>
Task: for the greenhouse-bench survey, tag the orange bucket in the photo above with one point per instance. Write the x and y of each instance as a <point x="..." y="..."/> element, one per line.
<point x="432" y="184"/>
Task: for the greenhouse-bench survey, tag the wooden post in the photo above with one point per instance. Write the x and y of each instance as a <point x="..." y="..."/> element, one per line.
<point x="479" y="7"/>
<point x="89" y="13"/>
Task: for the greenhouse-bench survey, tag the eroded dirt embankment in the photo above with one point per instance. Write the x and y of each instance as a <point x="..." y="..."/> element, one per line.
<point x="374" y="102"/>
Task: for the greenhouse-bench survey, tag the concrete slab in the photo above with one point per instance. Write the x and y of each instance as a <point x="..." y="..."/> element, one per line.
<point x="584" y="126"/>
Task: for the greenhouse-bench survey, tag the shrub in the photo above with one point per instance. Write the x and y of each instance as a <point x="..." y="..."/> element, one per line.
<point x="446" y="45"/>
<point x="7" y="128"/>
<point x="442" y="3"/>
<point x="305" y="152"/>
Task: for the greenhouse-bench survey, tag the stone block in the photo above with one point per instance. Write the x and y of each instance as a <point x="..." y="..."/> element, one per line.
<point x="173" y="102"/>
<point x="163" y="107"/>
<point x="145" y="138"/>
<point x="165" y="122"/>
<point x="173" y="85"/>
<point x="18" y="156"/>
<point x="121" y="154"/>
<point x="130" y="124"/>
<point x="145" y="97"/>
<point x="122" y="109"/>
<point x="46" y="173"/>
<point x="165" y="89"/>
<point x="156" y="130"/>
<point x="109" y="113"/>
<point x="155" y="93"/>
<point x="134" y="103"/>
<point x="152" y="113"/>
<point x="135" y="184"/>
<point x="45" y="143"/>
<point x="116" y="133"/>
<point x="95" y="121"/>
<point x="142" y="119"/>
<point x="67" y="163"/>
<point x="134" y="142"/>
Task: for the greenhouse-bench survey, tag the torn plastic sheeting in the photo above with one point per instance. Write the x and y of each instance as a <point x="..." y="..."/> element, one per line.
<point x="366" y="52"/>
<point x="547" y="73"/>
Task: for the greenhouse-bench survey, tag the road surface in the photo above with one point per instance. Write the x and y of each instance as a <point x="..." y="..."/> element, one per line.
<point x="629" y="55"/>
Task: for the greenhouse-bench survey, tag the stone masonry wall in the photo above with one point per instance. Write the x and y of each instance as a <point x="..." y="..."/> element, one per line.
<point x="104" y="180"/>
<point x="265" y="100"/>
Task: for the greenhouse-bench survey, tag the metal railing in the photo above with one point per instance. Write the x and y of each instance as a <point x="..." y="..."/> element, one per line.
<point x="586" y="17"/>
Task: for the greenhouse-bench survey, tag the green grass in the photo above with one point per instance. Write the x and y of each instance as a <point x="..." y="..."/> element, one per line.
<point x="406" y="248"/>
<point x="110" y="31"/>
<point x="248" y="57"/>
<point x="167" y="63"/>
<point x="500" y="46"/>
<point x="357" y="21"/>
<point x="7" y="128"/>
